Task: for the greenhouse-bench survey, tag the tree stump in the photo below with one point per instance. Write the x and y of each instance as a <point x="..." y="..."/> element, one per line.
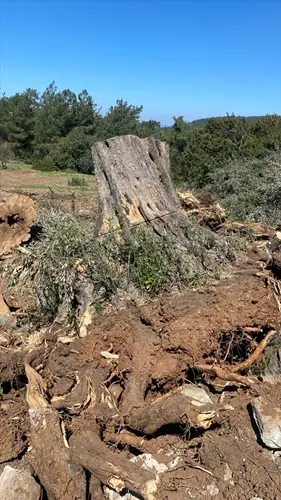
<point x="135" y="188"/>
<point x="17" y="214"/>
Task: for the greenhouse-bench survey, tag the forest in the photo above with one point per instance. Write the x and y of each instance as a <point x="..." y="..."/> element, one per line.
<point x="55" y="131"/>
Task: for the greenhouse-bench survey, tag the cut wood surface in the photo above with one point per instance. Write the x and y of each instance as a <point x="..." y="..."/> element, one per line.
<point x="17" y="214"/>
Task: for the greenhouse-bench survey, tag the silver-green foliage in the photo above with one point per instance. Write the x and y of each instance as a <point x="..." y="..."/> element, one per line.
<point x="67" y="247"/>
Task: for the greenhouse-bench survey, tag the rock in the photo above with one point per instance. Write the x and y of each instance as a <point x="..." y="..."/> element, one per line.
<point x="149" y="463"/>
<point x="7" y="320"/>
<point x="212" y="489"/>
<point x="268" y="420"/>
<point x="228" y="474"/>
<point x="18" y="485"/>
<point x="3" y="340"/>
<point x="272" y="372"/>
<point x="198" y="396"/>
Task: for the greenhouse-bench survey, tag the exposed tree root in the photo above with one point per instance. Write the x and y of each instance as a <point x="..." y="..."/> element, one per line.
<point x="125" y="439"/>
<point x="230" y="372"/>
<point x="61" y="477"/>
<point x="62" y="452"/>
<point x="112" y="470"/>
<point x="255" y="355"/>
<point x="225" y="374"/>
<point x="95" y="489"/>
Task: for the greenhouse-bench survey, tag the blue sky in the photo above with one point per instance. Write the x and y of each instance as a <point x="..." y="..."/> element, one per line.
<point x="194" y="58"/>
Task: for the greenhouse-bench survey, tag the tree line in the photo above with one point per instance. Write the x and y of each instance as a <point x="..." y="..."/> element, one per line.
<point x="55" y="131"/>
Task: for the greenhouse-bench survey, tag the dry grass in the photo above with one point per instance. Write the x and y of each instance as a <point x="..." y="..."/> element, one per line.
<point x="23" y="177"/>
<point x="64" y="190"/>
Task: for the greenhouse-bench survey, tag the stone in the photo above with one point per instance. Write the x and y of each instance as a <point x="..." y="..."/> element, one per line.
<point x="148" y="462"/>
<point x="212" y="489"/>
<point x="7" y="320"/>
<point x="18" y="484"/>
<point x="272" y="372"/>
<point x="268" y="421"/>
<point x="198" y="396"/>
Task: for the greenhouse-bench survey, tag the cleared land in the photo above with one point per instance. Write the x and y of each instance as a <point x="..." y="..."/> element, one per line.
<point x="65" y="190"/>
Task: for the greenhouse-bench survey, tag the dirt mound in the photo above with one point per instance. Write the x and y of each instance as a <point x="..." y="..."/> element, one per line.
<point x="130" y="393"/>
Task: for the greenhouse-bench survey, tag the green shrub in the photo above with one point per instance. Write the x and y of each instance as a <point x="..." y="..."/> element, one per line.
<point x="51" y="265"/>
<point x="250" y="189"/>
<point x="45" y="165"/>
<point x="77" y="182"/>
<point x="196" y="153"/>
<point x="147" y="261"/>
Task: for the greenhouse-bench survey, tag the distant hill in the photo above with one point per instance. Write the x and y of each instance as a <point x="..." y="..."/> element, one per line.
<point x="203" y="121"/>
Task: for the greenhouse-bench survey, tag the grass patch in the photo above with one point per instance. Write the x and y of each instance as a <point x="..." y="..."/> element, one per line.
<point x="77" y="182"/>
<point x="18" y="165"/>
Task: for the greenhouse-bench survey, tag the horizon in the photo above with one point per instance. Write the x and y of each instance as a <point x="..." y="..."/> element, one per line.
<point x="193" y="58"/>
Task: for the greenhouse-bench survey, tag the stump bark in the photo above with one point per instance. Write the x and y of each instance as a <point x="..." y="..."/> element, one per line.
<point x="135" y="188"/>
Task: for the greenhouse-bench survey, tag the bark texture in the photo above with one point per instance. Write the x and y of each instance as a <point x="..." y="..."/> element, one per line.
<point x="134" y="186"/>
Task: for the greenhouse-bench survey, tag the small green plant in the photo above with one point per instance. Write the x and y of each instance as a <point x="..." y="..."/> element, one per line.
<point x="98" y="308"/>
<point x="147" y="259"/>
<point x="77" y="182"/>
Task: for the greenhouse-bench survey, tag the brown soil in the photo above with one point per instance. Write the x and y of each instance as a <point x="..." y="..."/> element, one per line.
<point x="160" y="344"/>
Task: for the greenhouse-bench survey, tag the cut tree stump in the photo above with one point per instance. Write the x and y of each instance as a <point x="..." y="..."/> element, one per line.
<point x="17" y="214"/>
<point x="134" y="187"/>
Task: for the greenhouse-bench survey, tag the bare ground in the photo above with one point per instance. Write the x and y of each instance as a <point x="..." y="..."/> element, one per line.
<point x="158" y="347"/>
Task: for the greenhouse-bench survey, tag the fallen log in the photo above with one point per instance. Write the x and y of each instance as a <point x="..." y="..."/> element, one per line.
<point x="17" y="214"/>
